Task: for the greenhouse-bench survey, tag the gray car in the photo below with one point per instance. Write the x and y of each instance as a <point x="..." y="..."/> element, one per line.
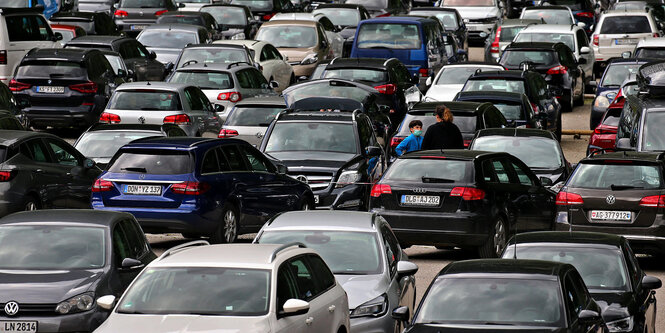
<point x="168" y="40"/>
<point x="250" y="118"/>
<point x="133" y="16"/>
<point x="502" y="35"/>
<point x="363" y="254"/>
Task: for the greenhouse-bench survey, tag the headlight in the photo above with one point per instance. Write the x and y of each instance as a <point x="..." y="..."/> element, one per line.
<point x="79" y="303"/>
<point x="347" y="178"/>
<point x="621" y="325"/>
<point x="238" y="36"/>
<point x="310" y="59"/>
<point x="374" y="308"/>
<point x="601" y="102"/>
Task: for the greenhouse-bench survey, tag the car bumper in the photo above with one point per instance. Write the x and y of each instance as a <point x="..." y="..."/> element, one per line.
<point x="381" y="324"/>
<point x="351" y="197"/>
<point x="62" y="116"/>
<point x="184" y="219"/>
<point x="77" y="322"/>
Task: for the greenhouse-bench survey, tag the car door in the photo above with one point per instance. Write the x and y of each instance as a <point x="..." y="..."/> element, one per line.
<point x="47" y="176"/>
<point x="287" y="288"/>
<point x="211" y="121"/>
<point x="123" y="248"/>
<point x="77" y="179"/>
<point x="242" y="184"/>
<point x="644" y="298"/>
<point x="25" y="31"/>
<point x="334" y="304"/>
<point x="536" y="205"/>
<point x="311" y="290"/>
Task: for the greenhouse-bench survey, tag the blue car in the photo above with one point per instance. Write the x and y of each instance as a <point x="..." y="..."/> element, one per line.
<point x="217" y="188"/>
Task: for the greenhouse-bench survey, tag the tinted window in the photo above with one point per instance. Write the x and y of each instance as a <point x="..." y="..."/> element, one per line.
<point x="167" y="38"/>
<point x="234" y="158"/>
<point x="210" y="163"/>
<point x="98" y="144"/>
<point x="292" y="136"/>
<point x="156" y="162"/>
<point x="27" y="28"/>
<point x="495" y="85"/>
<point x="652" y="137"/>
<point x="288" y="36"/>
<point x="257" y="161"/>
<point x="430" y="171"/>
<point x="143" y="3"/>
<point x="305" y="280"/>
<point x="252" y="116"/>
<point x="227" y="15"/>
<point x="146" y="100"/>
<point x="50" y="69"/>
<point x="535" y="152"/>
<point x="63" y="154"/>
<point x="367" y="76"/>
<point x="625" y="25"/>
<point x="35" y="150"/>
<point x="457" y="74"/>
<point x="509" y="33"/>
<point x="647" y="53"/>
<point x="212" y="56"/>
<point x="550" y="16"/>
<point x="539" y="58"/>
<point x="341" y="16"/>
<point x="610" y="176"/>
<point x="388" y="35"/>
<point x="567" y="38"/>
<point x="325" y="278"/>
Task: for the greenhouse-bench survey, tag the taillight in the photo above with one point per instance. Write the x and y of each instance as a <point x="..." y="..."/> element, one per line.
<point x="467" y="143"/>
<point x="395" y="141"/>
<point x="384" y="15"/>
<point x="585" y="14"/>
<point x="657" y="201"/>
<point x="6" y="175"/>
<point x="605" y="129"/>
<point x="86" y="88"/>
<point x="227" y="133"/>
<point x="494" y="48"/>
<point x="3" y="57"/>
<point x="267" y="17"/>
<point x="120" y="13"/>
<point x="102" y="185"/>
<point x="535" y="108"/>
<point x="232" y="96"/>
<point x="595" y="40"/>
<point x="18" y="86"/>
<point x="558" y="70"/>
<point x="109" y="118"/>
<point x="191" y="188"/>
<point x="655" y="34"/>
<point x="468" y="193"/>
<point x="379" y="189"/>
<point x="178" y="119"/>
<point x="423" y="72"/>
<point x="566" y="198"/>
<point x="160" y="12"/>
<point x="387" y="89"/>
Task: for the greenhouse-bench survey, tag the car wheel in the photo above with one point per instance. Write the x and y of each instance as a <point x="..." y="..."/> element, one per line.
<point x="567" y="101"/>
<point x="305" y="205"/>
<point x="580" y="100"/>
<point x="497" y="239"/>
<point x="31" y="204"/>
<point x="228" y="230"/>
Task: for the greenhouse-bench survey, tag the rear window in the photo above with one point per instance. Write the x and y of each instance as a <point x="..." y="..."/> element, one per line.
<point x="612" y="117"/>
<point x="645" y="53"/>
<point x="509" y="33"/>
<point x="568" y="39"/>
<point x="549" y="16"/>
<point x="495" y="85"/>
<point x="104" y="144"/>
<point x="615" y="74"/>
<point x="227" y="15"/>
<point x="536" y="153"/>
<point x="388" y="35"/>
<point x="154" y="162"/>
<point x="511" y="111"/>
<point x="211" y="55"/>
<point x="167" y="39"/>
<point x="574" y="5"/>
<point x="653" y="138"/>
<point x="147" y="100"/>
<point x="625" y="25"/>
<point x="204" y="80"/>
<point x="252" y="116"/>
<point x="341" y="16"/>
<point x="182" y="19"/>
<point x="465" y="124"/>
<point x="143" y="3"/>
<point x="471" y="3"/>
<point x="616" y="176"/>
<point x="357" y="74"/>
<point x="458" y="74"/>
<point x="254" y="4"/>
<point x="514" y="58"/>
<point x="447" y="18"/>
<point x="288" y="36"/>
<point x="430" y="170"/>
<point x="51" y="69"/>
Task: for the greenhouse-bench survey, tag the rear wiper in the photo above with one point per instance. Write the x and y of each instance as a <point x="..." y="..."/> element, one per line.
<point x="623" y="187"/>
<point x="380" y="47"/>
<point x="436" y="180"/>
<point x="497" y="323"/>
<point x="135" y="169"/>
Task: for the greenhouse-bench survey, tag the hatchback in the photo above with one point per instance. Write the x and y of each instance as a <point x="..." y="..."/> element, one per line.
<point x="550" y="14"/>
<point x="133" y="16"/>
<point x="480" y="16"/>
<point x="451" y="20"/>
<point x="202" y="19"/>
<point x="451" y="78"/>
<point x="515" y="107"/>
<point x="168" y="40"/>
<point x="249" y="119"/>
<point x="93" y="23"/>
<point x="503" y="35"/>
<point x="234" y="21"/>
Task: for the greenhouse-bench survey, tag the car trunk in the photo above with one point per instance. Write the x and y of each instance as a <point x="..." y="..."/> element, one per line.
<point x="621" y="33"/>
<point x="623" y="211"/>
<point x="142" y="17"/>
<point x="51" y="83"/>
<point x="409" y="196"/>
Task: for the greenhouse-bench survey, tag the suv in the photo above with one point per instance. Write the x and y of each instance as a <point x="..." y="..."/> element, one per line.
<point x="480" y="17"/>
<point x="133" y="16"/>
<point x="650" y="48"/>
<point x="234" y="21"/>
<point x="97" y="23"/>
<point x="64" y="87"/>
<point x="584" y="11"/>
<point x="241" y="287"/>
<point x="451" y="20"/>
<point x="641" y="123"/>
<point x="336" y="153"/>
<point x="550" y="14"/>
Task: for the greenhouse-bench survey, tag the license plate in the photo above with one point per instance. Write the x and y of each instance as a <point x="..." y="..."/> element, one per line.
<point x="420" y="200"/>
<point x="611" y="215"/>
<point x="50" y="89"/>
<point x="143" y="189"/>
<point x="138" y="27"/>
<point x="625" y="41"/>
<point x="316" y="199"/>
<point x="18" y="326"/>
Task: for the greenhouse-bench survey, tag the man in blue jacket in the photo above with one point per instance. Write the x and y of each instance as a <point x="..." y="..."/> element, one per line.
<point x="412" y="142"/>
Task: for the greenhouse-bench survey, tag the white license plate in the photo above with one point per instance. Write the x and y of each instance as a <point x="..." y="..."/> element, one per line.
<point x="420" y="200"/>
<point x="138" y="27"/>
<point x="610" y="215"/>
<point x="51" y="89"/>
<point x="316" y="199"/>
<point x="18" y="326"/>
<point x="143" y="189"/>
<point x="625" y="41"/>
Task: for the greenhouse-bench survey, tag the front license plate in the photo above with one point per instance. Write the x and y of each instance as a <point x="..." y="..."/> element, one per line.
<point x="18" y="326"/>
<point x="610" y="215"/>
<point x="143" y="189"/>
<point x="420" y="200"/>
<point x="316" y="199"/>
<point x="138" y="27"/>
<point x="625" y="41"/>
<point x="51" y="89"/>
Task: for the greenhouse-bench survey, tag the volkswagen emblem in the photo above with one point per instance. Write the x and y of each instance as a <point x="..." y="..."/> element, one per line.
<point x="302" y="178"/>
<point x="141" y="120"/>
<point x="419" y="190"/>
<point x="140" y="13"/>
<point x="142" y="176"/>
<point x="610" y="199"/>
<point x="11" y="308"/>
<point x="49" y="81"/>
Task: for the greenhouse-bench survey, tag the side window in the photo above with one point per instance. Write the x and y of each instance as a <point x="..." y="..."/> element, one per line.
<point x="244" y="78"/>
<point x="258" y="80"/>
<point x="193" y="99"/>
<point x="256" y="161"/>
<point x="633" y="265"/>
<point x="202" y="99"/>
<point x="274" y="52"/>
<point x="135" y="240"/>
<point x="322" y="34"/>
<point x="365" y="133"/>
<point x="488" y="172"/>
<point x="580" y="289"/>
<point x="63" y="154"/>
<point x="35" y="150"/>
<point x="287" y="288"/>
<point x="265" y="54"/>
<point x="541" y="88"/>
<point x="391" y="247"/>
<point x="128" y="51"/>
<point x="141" y="50"/>
<point x="624" y="122"/>
<point x="635" y="124"/>
<point x="234" y="158"/>
<point x="210" y="163"/>
<point x="9" y="123"/>
<point x="327" y="25"/>
<point x="582" y="41"/>
<point x="22" y="28"/>
<point x="95" y="67"/>
<point x="522" y="175"/>
<point x="121" y="244"/>
<point x="501" y="171"/>
<point x="304" y="279"/>
<point x="324" y="277"/>
<point x="571" y="298"/>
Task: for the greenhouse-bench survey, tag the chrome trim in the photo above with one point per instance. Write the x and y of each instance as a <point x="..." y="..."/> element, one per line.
<point x="145" y="181"/>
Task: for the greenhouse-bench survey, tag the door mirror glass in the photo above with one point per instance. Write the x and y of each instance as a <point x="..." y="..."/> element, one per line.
<point x="624" y="143"/>
<point x="282" y="169"/>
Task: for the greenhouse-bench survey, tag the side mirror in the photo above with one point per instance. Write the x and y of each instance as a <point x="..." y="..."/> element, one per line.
<point x="428" y="82"/>
<point x="651" y="282"/>
<point x="122" y="73"/>
<point x="625" y="54"/>
<point x="130" y="73"/>
<point x="88" y="163"/>
<point x="406" y="268"/>
<point x="581" y="24"/>
<point x="624" y="143"/>
<point x="593" y="83"/>
<point x="282" y="169"/>
<point x="57" y="36"/>
<point x="585" y="50"/>
<point x="546" y="181"/>
<point x="401" y="314"/>
<point x="181" y="5"/>
<point x="372" y="151"/>
<point x="273" y="84"/>
<point x="218" y="108"/>
<point x="106" y="302"/>
<point x="131" y="263"/>
<point x="293" y="307"/>
<point x="588" y="316"/>
<point x="152" y="55"/>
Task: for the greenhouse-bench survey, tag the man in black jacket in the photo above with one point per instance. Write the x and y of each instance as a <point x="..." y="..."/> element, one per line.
<point x="444" y="134"/>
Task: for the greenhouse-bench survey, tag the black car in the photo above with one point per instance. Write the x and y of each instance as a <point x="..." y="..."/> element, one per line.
<point x="8" y="121"/>
<point x="234" y="21"/>
<point x="610" y="271"/>
<point x="499" y="295"/>
<point x="381" y="8"/>
<point x="94" y="23"/>
<point x="264" y="10"/>
<point x="137" y="58"/>
<point x="515" y="107"/>
<point x="56" y="263"/>
<point x="450" y="19"/>
<point x="64" y="87"/>
<point x="335" y="153"/>
<point x="538" y="149"/>
<point x="9" y="103"/>
<point x="464" y="198"/>
<point x="201" y="19"/>
<point x="132" y="16"/>
<point x="640" y="124"/>
<point x="346" y="16"/>
<point x="556" y="63"/>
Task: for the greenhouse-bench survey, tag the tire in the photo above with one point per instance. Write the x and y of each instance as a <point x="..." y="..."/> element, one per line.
<point x="227" y="232"/>
<point x="559" y="126"/>
<point x="192" y="236"/>
<point x="497" y="239"/>
<point x="306" y="204"/>
<point x="580" y="100"/>
<point x="567" y="102"/>
<point x="292" y="81"/>
<point x="31" y="203"/>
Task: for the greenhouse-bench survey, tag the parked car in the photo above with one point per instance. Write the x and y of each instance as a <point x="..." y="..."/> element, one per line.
<point x="168" y="40"/>
<point x="383" y="8"/>
<point x="132" y="16"/>
<point x="550" y="14"/>
<point x="650" y="48"/>
<point x="451" y="20"/>
<point x="378" y="279"/>
<point x="94" y="23"/>
<point x="332" y="32"/>
<point x="584" y="11"/>
<point x="451" y="78"/>
<point x="346" y="16"/>
<point x="503" y="35"/>
<point x="604" y="135"/>
<point x="68" y="32"/>
<point x="480" y="16"/>
<point x="218" y="53"/>
<point x="235" y="21"/>
<point x="202" y="19"/>
<point x="10" y="104"/>
<point x="249" y="119"/>
<point x="515" y="107"/>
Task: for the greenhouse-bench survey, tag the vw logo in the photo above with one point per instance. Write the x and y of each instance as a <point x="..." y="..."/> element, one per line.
<point x="142" y="176"/>
<point x="141" y="13"/>
<point x="11" y="308"/>
<point x="302" y="178"/>
<point x="610" y="199"/>
<point x="419" y="190"/>
<point x="49" y="81"/>
<point x="141" y="120"/>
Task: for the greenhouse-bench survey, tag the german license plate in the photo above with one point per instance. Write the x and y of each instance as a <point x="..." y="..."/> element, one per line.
<point x="51" y="89"/>
<point x="420" y="200"/>
<point x="138" y="27"/>
<point x="18" y="326"/>
<point x="625" y="41"/>
<point x="610" y="215"/>
<point x="316" y="199"/>
<point x="143" y="189"/>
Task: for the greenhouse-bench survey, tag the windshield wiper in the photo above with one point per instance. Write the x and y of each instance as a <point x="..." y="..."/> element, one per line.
<point x="436" y="180"/>
<point x="380" y="47"/>
<point x="135" y="169"/>
<point x="623" y="187"/>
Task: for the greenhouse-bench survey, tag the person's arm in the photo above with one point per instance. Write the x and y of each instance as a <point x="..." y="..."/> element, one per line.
<point x="401" y="147"/>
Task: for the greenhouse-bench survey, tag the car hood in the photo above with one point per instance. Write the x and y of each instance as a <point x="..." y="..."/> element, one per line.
<point x="477" y="12"/>
<point x="362" y="288"/>
<point x="313" y="159"/>
<point x="420" y="328"/>
<point x="444" y="92"/>
<point x="295" y="54"/>
<point x="45" y="287"/>
<point x="165" y="55"/>
<point x="119" y="322"/>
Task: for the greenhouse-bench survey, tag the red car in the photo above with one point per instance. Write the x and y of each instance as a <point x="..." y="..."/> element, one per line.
<point x="604" y="136"/>
<point x="68" y="32"/>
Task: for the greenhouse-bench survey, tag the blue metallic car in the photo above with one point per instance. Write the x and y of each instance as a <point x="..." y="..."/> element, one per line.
<point x="198" y="187"/>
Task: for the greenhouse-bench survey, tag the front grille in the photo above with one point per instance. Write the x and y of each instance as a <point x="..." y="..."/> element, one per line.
<point x="315" y="180"/>
<point x="31" y="310"/>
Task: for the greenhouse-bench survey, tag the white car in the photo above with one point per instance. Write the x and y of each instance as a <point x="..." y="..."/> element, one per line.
<point x="196" y="287"/>
<point x="272" y="63"/>
<point x="480" y="16"/>
<point x="332" y="32"/>
<point x="451" y="78"/>
<point x="650" y="48"/>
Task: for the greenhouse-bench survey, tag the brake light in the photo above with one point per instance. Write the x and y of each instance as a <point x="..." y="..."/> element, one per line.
<point x="585" y="14"/>
<point x="605" y="129"/>
<point x="494" y="48"/>
<point x="227" y="133"/>
<point x="379" y="189"/>
<point x="160" y="12"/>
<point x="6" y="175"/>
<point x="657" y="201"/>
<point x="468" y="193"/>
<point x="535" y="108"/>
<point x="178" y="119"/>
<point x="384" y="15"/>
<point x="18" y="86"/>
<point x="387" y="89"/>
<point x="109" y="118"/>
<point x="3" y="57"/>
<point x="566" y="198"/>
<point x="267" y="17"/>
<point x="232" y="96"/>
<point x="120" y="13"/>
<point x="558" y="70"/>
<point x="655" y="34"/>
<point x="86" y="88"/>
<point x="395" y="141"/>
<point x="423" y="72"/>
<point x="595" y="40"/>
<point x="467" y="143"/>
<point x="191" y="188"/>
<point x="102" y="185"/>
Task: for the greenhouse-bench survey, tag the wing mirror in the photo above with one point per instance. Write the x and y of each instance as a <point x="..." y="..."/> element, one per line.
<point x="106" y="302"/>
<point x="624" y="144"/>
<point x="651" y="282"/>
<point x="428" y="82"/>
<point x="588" y="316"/>
<point x="57" y="36"/>
<point x="546" y="181"/>
<point x="585" y="50"/>
<point x="218" y="108"/>
<point x="294" y="307"/>
<point x="581" y="24"/>
<point x="401" y="314"/>
<point x="415" y="79"/>
<point x="131" y="263"/>
<point x="181" y="5"/>
<point x="273" y="84"/>
<point x="406" y="268"/>
<point x="626" y="54"/>
<point x="152" y="55"/>
<point x="373" y="151"/>
<point x="88" y="163"/>
<point x="282" y="169"/>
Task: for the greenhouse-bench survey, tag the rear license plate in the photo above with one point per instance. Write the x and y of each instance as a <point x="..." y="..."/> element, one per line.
<point x="420" y="200"/>
<point x="610" y="215"/>
<point x="625" y="41"/>
<point x="316" y="199"/>
<point x="138" y="27"/>
<point x="143" y="189"/>
<point x="18" y="326"/>
<point x="51" y="89"/>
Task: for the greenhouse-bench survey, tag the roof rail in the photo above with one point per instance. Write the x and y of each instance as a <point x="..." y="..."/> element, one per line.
<point x="283" y="247"/>
<point x="387" y="60"/>
<point x="333" y="61"/>
<point x="355" y="112"/>
<point x="660" y="156"/>
<point x="237" y="64"/>
<point x="286" y="111"/>
<point x="194" y="144"/>
<point x="182" y="247"/>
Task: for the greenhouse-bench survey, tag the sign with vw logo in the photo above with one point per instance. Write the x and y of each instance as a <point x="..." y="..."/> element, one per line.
<point x="302" y="178"/>
<point x="11" y="308"/>
<point x="610" y="199"/>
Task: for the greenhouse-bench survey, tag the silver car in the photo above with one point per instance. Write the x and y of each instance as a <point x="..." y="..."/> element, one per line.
<point x="363" y="254"/>
<point x="480" y="16"/>
<point x="250" y="118"/>
<point x="184" y="105"/>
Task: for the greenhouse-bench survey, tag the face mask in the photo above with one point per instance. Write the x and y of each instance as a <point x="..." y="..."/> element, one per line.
<point x="417" y="132"/>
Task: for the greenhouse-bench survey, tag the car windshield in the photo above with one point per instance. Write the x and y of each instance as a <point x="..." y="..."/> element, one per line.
<point x="168" y="39"/>
<point x="53" y="69"/>
<point x="417" y="169"/>
<point x="447" y="18"/>
<point x="601" y="269"/>
<point x="495" y="85"/>
<point x="288" y="36"/>
<point x="465" y="124"/>
<point x="254" y="4"/>
<point x="211" y="55"/>
<point x="650" y="53"/>
<point x="217" y="291"/>
<point x="568" y="39"/>
<point x="468" y="3"/>
<point x="550" y="16"/>
<point x="116" y="62"/>
<point x="104" y="144"/>
<point x="156" y="162"/>
<point x="204" y="80"/>
<point x="626" y="25"/>
<point x="459" y="74"/>
<point x="388" y="36"/>
<point x="346" y="17"/>
<point x="514" y="58"/>
<point x="326" y="88"/>
<point x="494" y="300"/>
<point x="334" y="247"/>
<point x="615" y="74"/>
<point x="613" y="176"/>
<point x="252" y="115"/>
<point x="227" y="15"/>
<point x="51" y="247"/>
<point x="146" y="100"/>
<point x="653" y="138"/>
<point x="367" y="76"/>
<point x="310" y="136"/>
<point x="370" y="4"/>
<point x="143" y="3"/>
<point x="536" y="153"/>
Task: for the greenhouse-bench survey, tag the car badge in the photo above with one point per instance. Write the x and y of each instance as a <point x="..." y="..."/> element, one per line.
<point x="419" y="190"/>
<point x="142" y="176"/>
<point x="11" y="308"/>
<point x="140" y="13"/>
<point x="141" y="120"/>
<point x="610" y="199"/>
<point x="49" y="81"/>
<point x="302" y="178"/>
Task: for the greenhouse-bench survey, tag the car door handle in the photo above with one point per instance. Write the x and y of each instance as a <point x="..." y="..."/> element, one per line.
<point x="309" y="321"/>
<point x="331" y="308"/>
<point x="40" y="171"/>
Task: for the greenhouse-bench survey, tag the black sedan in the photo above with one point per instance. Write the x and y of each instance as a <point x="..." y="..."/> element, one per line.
<point x="56" y="263"/>
<point x="499" y="295"/>
<point x="468" y="199"/>
<point x="514" y="106"/>
<point x="610" y="271"/>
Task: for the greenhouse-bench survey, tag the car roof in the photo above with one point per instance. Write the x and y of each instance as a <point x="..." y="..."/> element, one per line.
<point x="455" y="107"/>
<point x="289" y="115"/>
<point x="547" y="7"/>
<point x="562" y="28"/>
<point x="181" y="142"/>
<point x="97" y="39"/>
<point x="374" y="63"/>
<point x="626" y="155"/>
<point x="506" y="266"/>
<point x="227" y="255"/>
<point x="216" y="67"/>
<point x="267" y="100"/>
<point x="174" y="27"/>
<point x="184" y="13"/>
<point x="624" y="12"/>
<point x="533" y="45"/>
<point x="323" y="220"/>
<point x="507" y="74"/>
<point x="158" y="85"/>
<point x="457" y="154"/>
<point x="9" y="137"/>
<point x="59" y="53"/>
<point x="66" y="15"/>
<point x="224" y="5"/>
<point x="651" y="42"/>
<point x="290" y="23"/>
<point x="515" y="132"/>
<point x="78" y="216"/>
<point x="520" y="22"/>
<point x="339" y="5"/>
<point x="218" y="44"/>
<point x="398" y="19"/>
<point x="580" y="237"/>
<point x="499" y="95"/>
<point x="238" y="42"/>
<point x="125" y="127"/>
